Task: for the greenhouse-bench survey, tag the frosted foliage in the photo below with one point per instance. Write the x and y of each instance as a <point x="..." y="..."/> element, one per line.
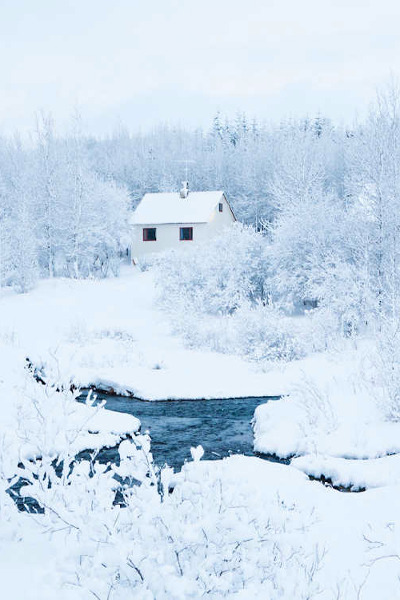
<point x="386" y="361"/>
<point x="216" y="277"/>
<point x="223" y="294"/>
<point x="204" y="538"/>
<point x="57" y="215"/>
<point x="326" y="198"/>
<point x="330" y="241"/>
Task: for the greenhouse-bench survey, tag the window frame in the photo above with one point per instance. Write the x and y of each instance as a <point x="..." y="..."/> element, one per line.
<point x="183" y="239"/>
<point x="145" y="234"/>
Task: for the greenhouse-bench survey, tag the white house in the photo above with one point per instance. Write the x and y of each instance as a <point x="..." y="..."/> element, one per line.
<point x="178" y="219"/>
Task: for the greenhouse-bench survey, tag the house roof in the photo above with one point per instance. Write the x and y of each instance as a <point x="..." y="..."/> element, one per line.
<point x="163" y="208"/>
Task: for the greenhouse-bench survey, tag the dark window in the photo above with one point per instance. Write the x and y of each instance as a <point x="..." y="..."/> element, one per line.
<point x="149" y="234"/>
<point x="220" y="207"/>
<point x="185" y="233"/>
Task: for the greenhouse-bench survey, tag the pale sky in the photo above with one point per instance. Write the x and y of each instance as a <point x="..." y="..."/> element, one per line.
<point x="142" y="62"/>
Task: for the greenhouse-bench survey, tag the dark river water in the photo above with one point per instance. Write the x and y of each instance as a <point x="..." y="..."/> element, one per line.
<point x="222" y="427"/>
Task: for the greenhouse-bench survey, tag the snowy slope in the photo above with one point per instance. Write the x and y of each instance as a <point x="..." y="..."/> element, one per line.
<point x="110" y="334"/>
<point x="330" y="544"/>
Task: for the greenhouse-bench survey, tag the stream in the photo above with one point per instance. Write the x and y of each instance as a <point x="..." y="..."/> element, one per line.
<point x="222" y="426"/>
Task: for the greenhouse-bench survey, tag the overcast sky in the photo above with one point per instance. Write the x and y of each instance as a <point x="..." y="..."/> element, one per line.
<point x="140" y="62"/>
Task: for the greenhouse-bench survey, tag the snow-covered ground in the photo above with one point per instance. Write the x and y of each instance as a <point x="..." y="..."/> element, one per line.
<point x="282" y="535"/>
<point x="110" y="334"/>
<point x="37" y="419"/>
<point x="252" y="529"/>
<point x="334" y="421"/>
<point x="333" y="529"/>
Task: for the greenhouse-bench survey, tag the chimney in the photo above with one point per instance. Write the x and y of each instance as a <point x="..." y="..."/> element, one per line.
<point x="184" y="192"/>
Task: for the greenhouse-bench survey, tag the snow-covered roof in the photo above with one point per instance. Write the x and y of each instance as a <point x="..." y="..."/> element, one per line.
<point x="163" y="208"/>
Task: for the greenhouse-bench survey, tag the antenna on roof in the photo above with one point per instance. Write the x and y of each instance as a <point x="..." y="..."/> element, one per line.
<point x="184" y="191"/>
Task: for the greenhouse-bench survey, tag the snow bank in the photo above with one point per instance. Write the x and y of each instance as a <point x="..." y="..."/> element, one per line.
<point x="331" y="410"/>
<point x="29" y="565"/>
<point x="352" y="474"/>
<point x="237" y="528"/>
<point x="38" y="420"/>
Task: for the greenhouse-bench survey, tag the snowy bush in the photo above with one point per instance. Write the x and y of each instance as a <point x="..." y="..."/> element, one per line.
<point x="204" y="538"/>
<point x="387" y="368"/>
<point x="265" y="333"/>
<point x="218" y="298"/>
<point x="9" y="524"/>
<point x="258" y="332"/>
<point x="216" y="277"/>
<point x="318" y="409"/>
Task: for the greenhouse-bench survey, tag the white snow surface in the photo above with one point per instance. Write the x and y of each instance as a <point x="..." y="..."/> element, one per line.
<point x="334" y="409"/>
<point x="240" y="511"/>
<point x="352" y="474"/>
<point x="169" y="207"/>
<point x="337" y="524"/>
<point x="111" y="333"/>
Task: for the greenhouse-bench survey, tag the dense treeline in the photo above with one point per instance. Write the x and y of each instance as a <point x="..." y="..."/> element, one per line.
<point x="237" y="156"/>
<point x="326" y="199"/>
<point x="57" y="215"/>
<point x="64" y="199"/>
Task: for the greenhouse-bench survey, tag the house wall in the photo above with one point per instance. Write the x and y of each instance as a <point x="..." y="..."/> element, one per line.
<point x="168" y="234"/>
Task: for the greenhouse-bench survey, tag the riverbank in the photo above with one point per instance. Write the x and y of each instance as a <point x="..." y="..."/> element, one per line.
<point x="335" y="422"/>
<point x="41" y="420"/>
<point x="110" y="333"/>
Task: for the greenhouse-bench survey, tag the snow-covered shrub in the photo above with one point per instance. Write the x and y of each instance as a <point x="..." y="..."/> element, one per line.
<point x="218" y="298"/>
<point x="258" y="332"/>
<point x="320" y="417"/>
<point x="387" y="365"/>
<point x="9" y="524"/>
<point x="217" y="276"/>
<point x="319" y="329"/>
<point x="208" y="537"/>
<point x="48" y="422"/>
<point x="262" y="332"/>
<point x="382" y="548"/>
<point x="80" y="487"/>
